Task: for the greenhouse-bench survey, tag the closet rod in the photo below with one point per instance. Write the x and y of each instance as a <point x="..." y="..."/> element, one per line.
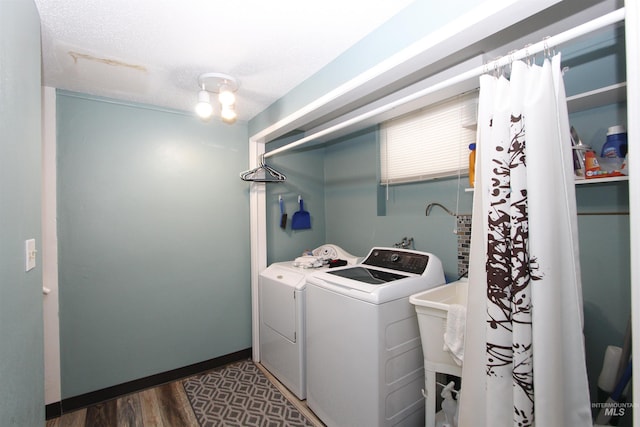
<point x="546" y="44"/>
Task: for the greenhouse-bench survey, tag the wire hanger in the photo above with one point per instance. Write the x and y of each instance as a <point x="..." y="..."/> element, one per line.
<point x="263" y="173"/>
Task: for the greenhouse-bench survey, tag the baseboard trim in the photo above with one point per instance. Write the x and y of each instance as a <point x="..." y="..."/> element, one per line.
<point x="53" y="410"/>
<point x="56" y="409"/>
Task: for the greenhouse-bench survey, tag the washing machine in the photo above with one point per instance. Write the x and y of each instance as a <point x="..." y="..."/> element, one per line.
<point x="364" y="355"/>
<point x="282" y="296"/>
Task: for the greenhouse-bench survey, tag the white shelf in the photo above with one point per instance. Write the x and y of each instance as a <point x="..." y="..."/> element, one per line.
<point x="601" y="180"/>
<point x="584" y="181"/>
<point x="598" y="97"/>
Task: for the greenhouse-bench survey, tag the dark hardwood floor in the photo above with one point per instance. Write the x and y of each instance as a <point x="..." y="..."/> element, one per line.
<point x="162" y="406"/>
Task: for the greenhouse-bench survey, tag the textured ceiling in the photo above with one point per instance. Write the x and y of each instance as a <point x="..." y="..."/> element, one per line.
<point x="152" y="51"/>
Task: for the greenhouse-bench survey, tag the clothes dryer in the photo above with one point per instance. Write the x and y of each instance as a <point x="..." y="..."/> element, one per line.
<point x="364" y="355"/>
<point x="282" y="296"/>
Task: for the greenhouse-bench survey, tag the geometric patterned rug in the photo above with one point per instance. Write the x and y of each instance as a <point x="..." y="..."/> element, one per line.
<point x="240" y="395"/>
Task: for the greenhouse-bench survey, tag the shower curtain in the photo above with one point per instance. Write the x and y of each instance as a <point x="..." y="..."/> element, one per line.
<point x="524" y="361"/>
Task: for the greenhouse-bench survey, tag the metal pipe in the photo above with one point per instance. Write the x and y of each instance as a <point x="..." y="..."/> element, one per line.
<point x="430" y="205"/>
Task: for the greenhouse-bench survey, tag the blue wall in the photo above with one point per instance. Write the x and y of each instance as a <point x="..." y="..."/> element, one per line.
<point x="21" y="336"/>
<point x="359" y="214"/>
<point x="153" y="241"/>
<point x="305" y="178"/>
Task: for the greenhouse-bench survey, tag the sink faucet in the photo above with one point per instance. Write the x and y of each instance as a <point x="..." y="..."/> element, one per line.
<point x="430" y="205"/>
<point x="404" y="243"/>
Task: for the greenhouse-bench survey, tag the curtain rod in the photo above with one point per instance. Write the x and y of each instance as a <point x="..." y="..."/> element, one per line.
<point x="548" y="43"/>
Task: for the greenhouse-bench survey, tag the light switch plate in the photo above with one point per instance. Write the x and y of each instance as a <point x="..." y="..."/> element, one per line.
<point x="30" y="254"/>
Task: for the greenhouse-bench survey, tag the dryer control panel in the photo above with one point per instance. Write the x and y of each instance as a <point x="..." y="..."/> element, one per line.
<point x="398" y="259"/>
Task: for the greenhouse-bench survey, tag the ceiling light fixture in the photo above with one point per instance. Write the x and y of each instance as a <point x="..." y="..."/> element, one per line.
<point x="225" y="86"/>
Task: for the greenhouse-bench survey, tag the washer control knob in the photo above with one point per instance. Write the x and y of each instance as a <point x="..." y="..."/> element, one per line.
<point x="395" y="257"/>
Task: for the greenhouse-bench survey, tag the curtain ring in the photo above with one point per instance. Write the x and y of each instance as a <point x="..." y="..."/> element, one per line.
<point x="512" y="59"/>
<point x="485" y="68"/>
<point x="495" y="67"/>
<point x="528" y="55"/>
<point x="547" y="50"/>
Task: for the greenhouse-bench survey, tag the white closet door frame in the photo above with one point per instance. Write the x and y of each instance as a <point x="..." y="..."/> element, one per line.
<point x="632" y="34"/>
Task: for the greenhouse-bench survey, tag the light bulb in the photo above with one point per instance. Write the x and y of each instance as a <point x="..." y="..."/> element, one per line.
<point x="226" y="96"/>
<point x="228" y="113"/>
<point x="204" y="109"/>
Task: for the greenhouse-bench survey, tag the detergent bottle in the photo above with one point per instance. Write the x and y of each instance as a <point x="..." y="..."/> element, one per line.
<point x="472" y="164"/>
<point x="616" y="144"/>
<point x="449" y="406"/>
<point x="592" y="167"/>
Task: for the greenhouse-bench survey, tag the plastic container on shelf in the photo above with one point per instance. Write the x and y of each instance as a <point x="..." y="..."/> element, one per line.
<point x="616" y="144"/>
<point x="603" y="167"/>
<point x="472" y="164"/>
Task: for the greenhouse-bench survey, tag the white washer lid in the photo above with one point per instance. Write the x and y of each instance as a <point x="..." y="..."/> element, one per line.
<point x="375" y="294"/>
<point x="286" y="275"/>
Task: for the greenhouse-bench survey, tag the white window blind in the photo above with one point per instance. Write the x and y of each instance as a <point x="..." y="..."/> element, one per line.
<point x="430" y="143"/>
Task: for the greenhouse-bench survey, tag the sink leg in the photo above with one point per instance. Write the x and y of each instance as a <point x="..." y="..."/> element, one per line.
<point x="430" y="408"/>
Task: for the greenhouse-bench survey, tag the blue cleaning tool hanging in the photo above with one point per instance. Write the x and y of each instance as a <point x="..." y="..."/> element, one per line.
<point x="301" y="219"/>
<point x="283" y="215"/>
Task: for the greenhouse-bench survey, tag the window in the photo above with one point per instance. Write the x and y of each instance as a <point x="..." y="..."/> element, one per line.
<point x="430" y="143"/>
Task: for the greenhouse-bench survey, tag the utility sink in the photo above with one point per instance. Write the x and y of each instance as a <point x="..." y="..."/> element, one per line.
<point x="432" y="307"/>
<point x="441" y="297"/>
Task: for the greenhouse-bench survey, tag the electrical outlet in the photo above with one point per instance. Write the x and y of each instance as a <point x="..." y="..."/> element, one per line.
<point x="30" y="254"/>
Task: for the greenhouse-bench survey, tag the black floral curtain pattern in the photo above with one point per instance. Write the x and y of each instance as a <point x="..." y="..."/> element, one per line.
<point x="524" y="362"/>
<point x="509" y="322"/>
